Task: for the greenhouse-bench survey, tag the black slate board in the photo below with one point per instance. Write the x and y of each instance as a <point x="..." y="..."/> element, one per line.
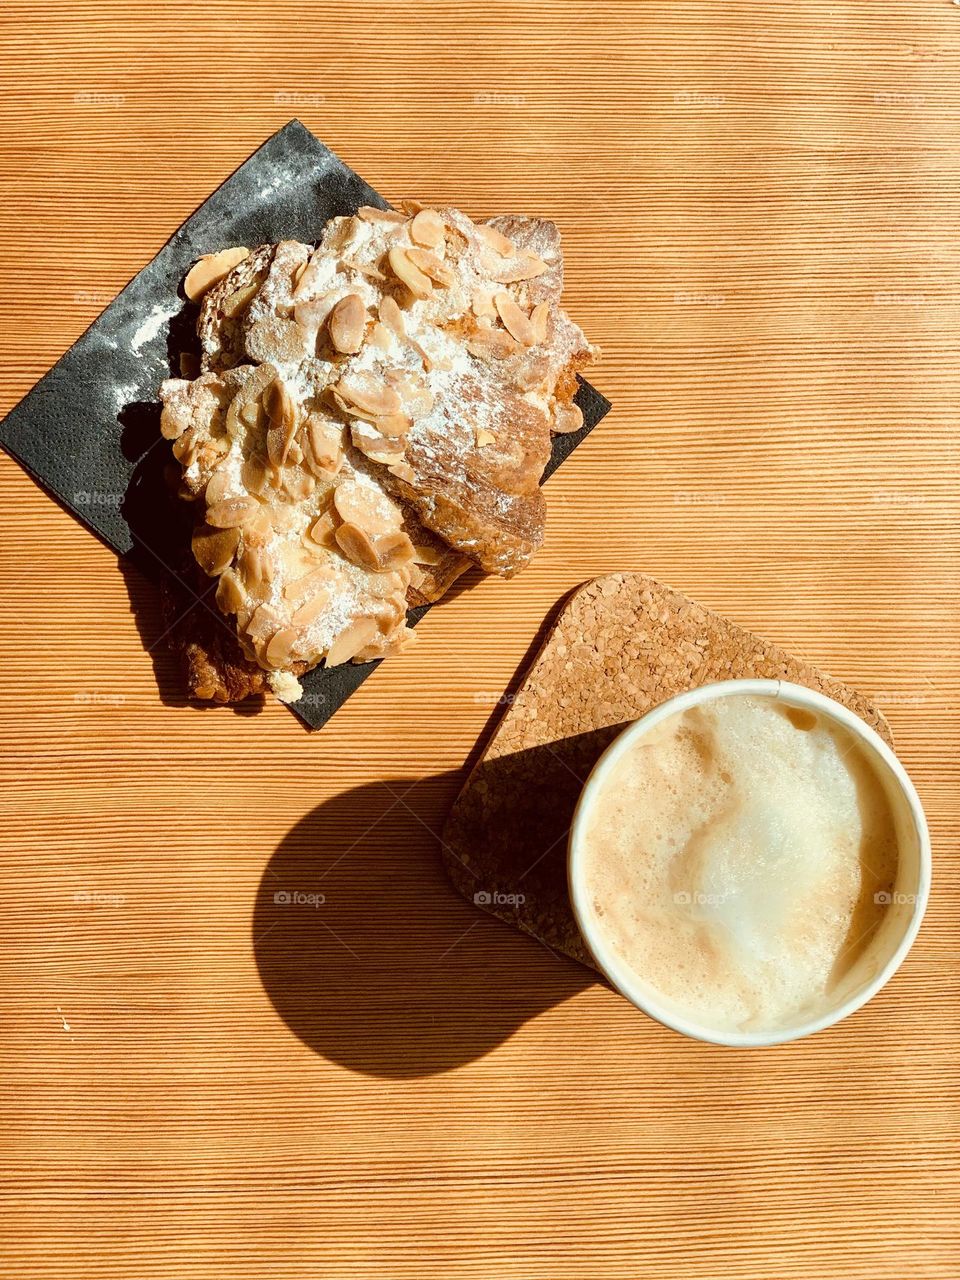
<point x="89" y="430"/>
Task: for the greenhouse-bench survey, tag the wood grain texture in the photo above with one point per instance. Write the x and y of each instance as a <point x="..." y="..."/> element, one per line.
<point x="759" y="204"/>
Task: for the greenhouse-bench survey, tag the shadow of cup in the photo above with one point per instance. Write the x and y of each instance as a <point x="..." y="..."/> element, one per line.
<point x="371" y="958"/>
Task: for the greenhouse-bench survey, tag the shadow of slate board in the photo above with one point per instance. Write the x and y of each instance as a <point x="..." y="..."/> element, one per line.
<point x="88" y="432"/>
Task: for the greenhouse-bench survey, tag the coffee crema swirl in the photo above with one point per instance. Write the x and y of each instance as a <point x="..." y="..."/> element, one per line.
<point x="739" y="859"/>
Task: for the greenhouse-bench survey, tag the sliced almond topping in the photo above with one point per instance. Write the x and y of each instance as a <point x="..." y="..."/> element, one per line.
<point x="258" y="529"/>
<point x="249" y="393"/>
<point x="250" y="413"/>
<point x="431" y="266"/>
<point x="513" y="318"/>
<point x="369" y="213"/>
<point x="539" y="320"/>
<point x="210" y="454"/>
<point x="484" y="437"/>
<point x="367" y="507"/>
<point x="172" y="424"/>
<point x="410" y="206"/>
<point x="383" y="456"/>
<point x="385" y="585"/>
<point x="348" y="319"/>
<point x="410" y="274"/>
<point x="528" y="268"/>
<point x="210" y="270"/>
<point x="311" y="315"/>
<point x="567" y="418"/>
<point x="230" y="595"/>
<point x="428" y="361"/>
<point x="186" y="445"/>
<point x="534" y="373"/>
<point x="367" y="397"/>
<point x="364" y="268"/>
<point x="403" y="471"/>
<point x="323" y="530"/>
<point x="280" y="649"/>
<point x="217" y="487"/>
<point x="357" y="547"/>
<point x="417" y="397"/>
<point x="297" y="484"/>
<point x="315" y="580"/>
<point x="214" y="548"/>
<point x="235" y="302"/>
<point x="323" y="441"/>
<point x="233" y="513"/>
<point x="276" y="339"/>
<point x="350" y="641"/>
<point x="312" y="609"/>
<point x="381" y="337"/>
<point x="264" y="624"/>
<point x="255" y="567"/>
<point x="284" y="420"/>
<point x="492" y="344"/>
<point x="392" y="316"/>
<point x="427" y="229"/>
<point x="340" y="232"/>
<point x="391" y="617"/>
<point x="482" y="304"/>
<point x="380" y="448"/>
<point x="496" y="240"/>
<point x="397" y="643"/>
<point x="278" y="403"/>
<point x="305" y="281"/>
<point x="457" y="243"/>
<point x="394" y="425"/>
<point x="394" y="550"/>
<point x="427" y="555"/>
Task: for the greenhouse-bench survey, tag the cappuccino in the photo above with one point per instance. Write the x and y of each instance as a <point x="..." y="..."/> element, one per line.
<point x="739" y="859"/>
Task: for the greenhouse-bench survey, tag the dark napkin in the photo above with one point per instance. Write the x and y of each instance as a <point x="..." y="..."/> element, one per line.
<point x="89" y="431"/>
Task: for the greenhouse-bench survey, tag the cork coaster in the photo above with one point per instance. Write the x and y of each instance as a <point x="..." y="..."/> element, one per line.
<point x="622" y="645"/>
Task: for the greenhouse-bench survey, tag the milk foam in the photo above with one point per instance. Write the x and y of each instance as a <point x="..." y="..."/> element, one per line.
<point x="734" y="858"/>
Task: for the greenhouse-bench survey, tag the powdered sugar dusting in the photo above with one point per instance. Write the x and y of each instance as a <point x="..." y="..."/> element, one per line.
<point x="158" y="318"/>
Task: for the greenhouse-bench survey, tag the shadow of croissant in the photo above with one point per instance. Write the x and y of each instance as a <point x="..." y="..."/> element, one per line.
<point x="370" y="956"/>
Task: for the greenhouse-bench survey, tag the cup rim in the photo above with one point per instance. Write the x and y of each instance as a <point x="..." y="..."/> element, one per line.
<point x="620" y="976"/>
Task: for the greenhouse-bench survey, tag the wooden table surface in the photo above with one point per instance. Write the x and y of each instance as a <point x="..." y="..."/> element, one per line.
<point x="760" y="211"/>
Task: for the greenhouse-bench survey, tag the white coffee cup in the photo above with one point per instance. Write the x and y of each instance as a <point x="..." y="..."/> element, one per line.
<point x="893" y="939"/>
